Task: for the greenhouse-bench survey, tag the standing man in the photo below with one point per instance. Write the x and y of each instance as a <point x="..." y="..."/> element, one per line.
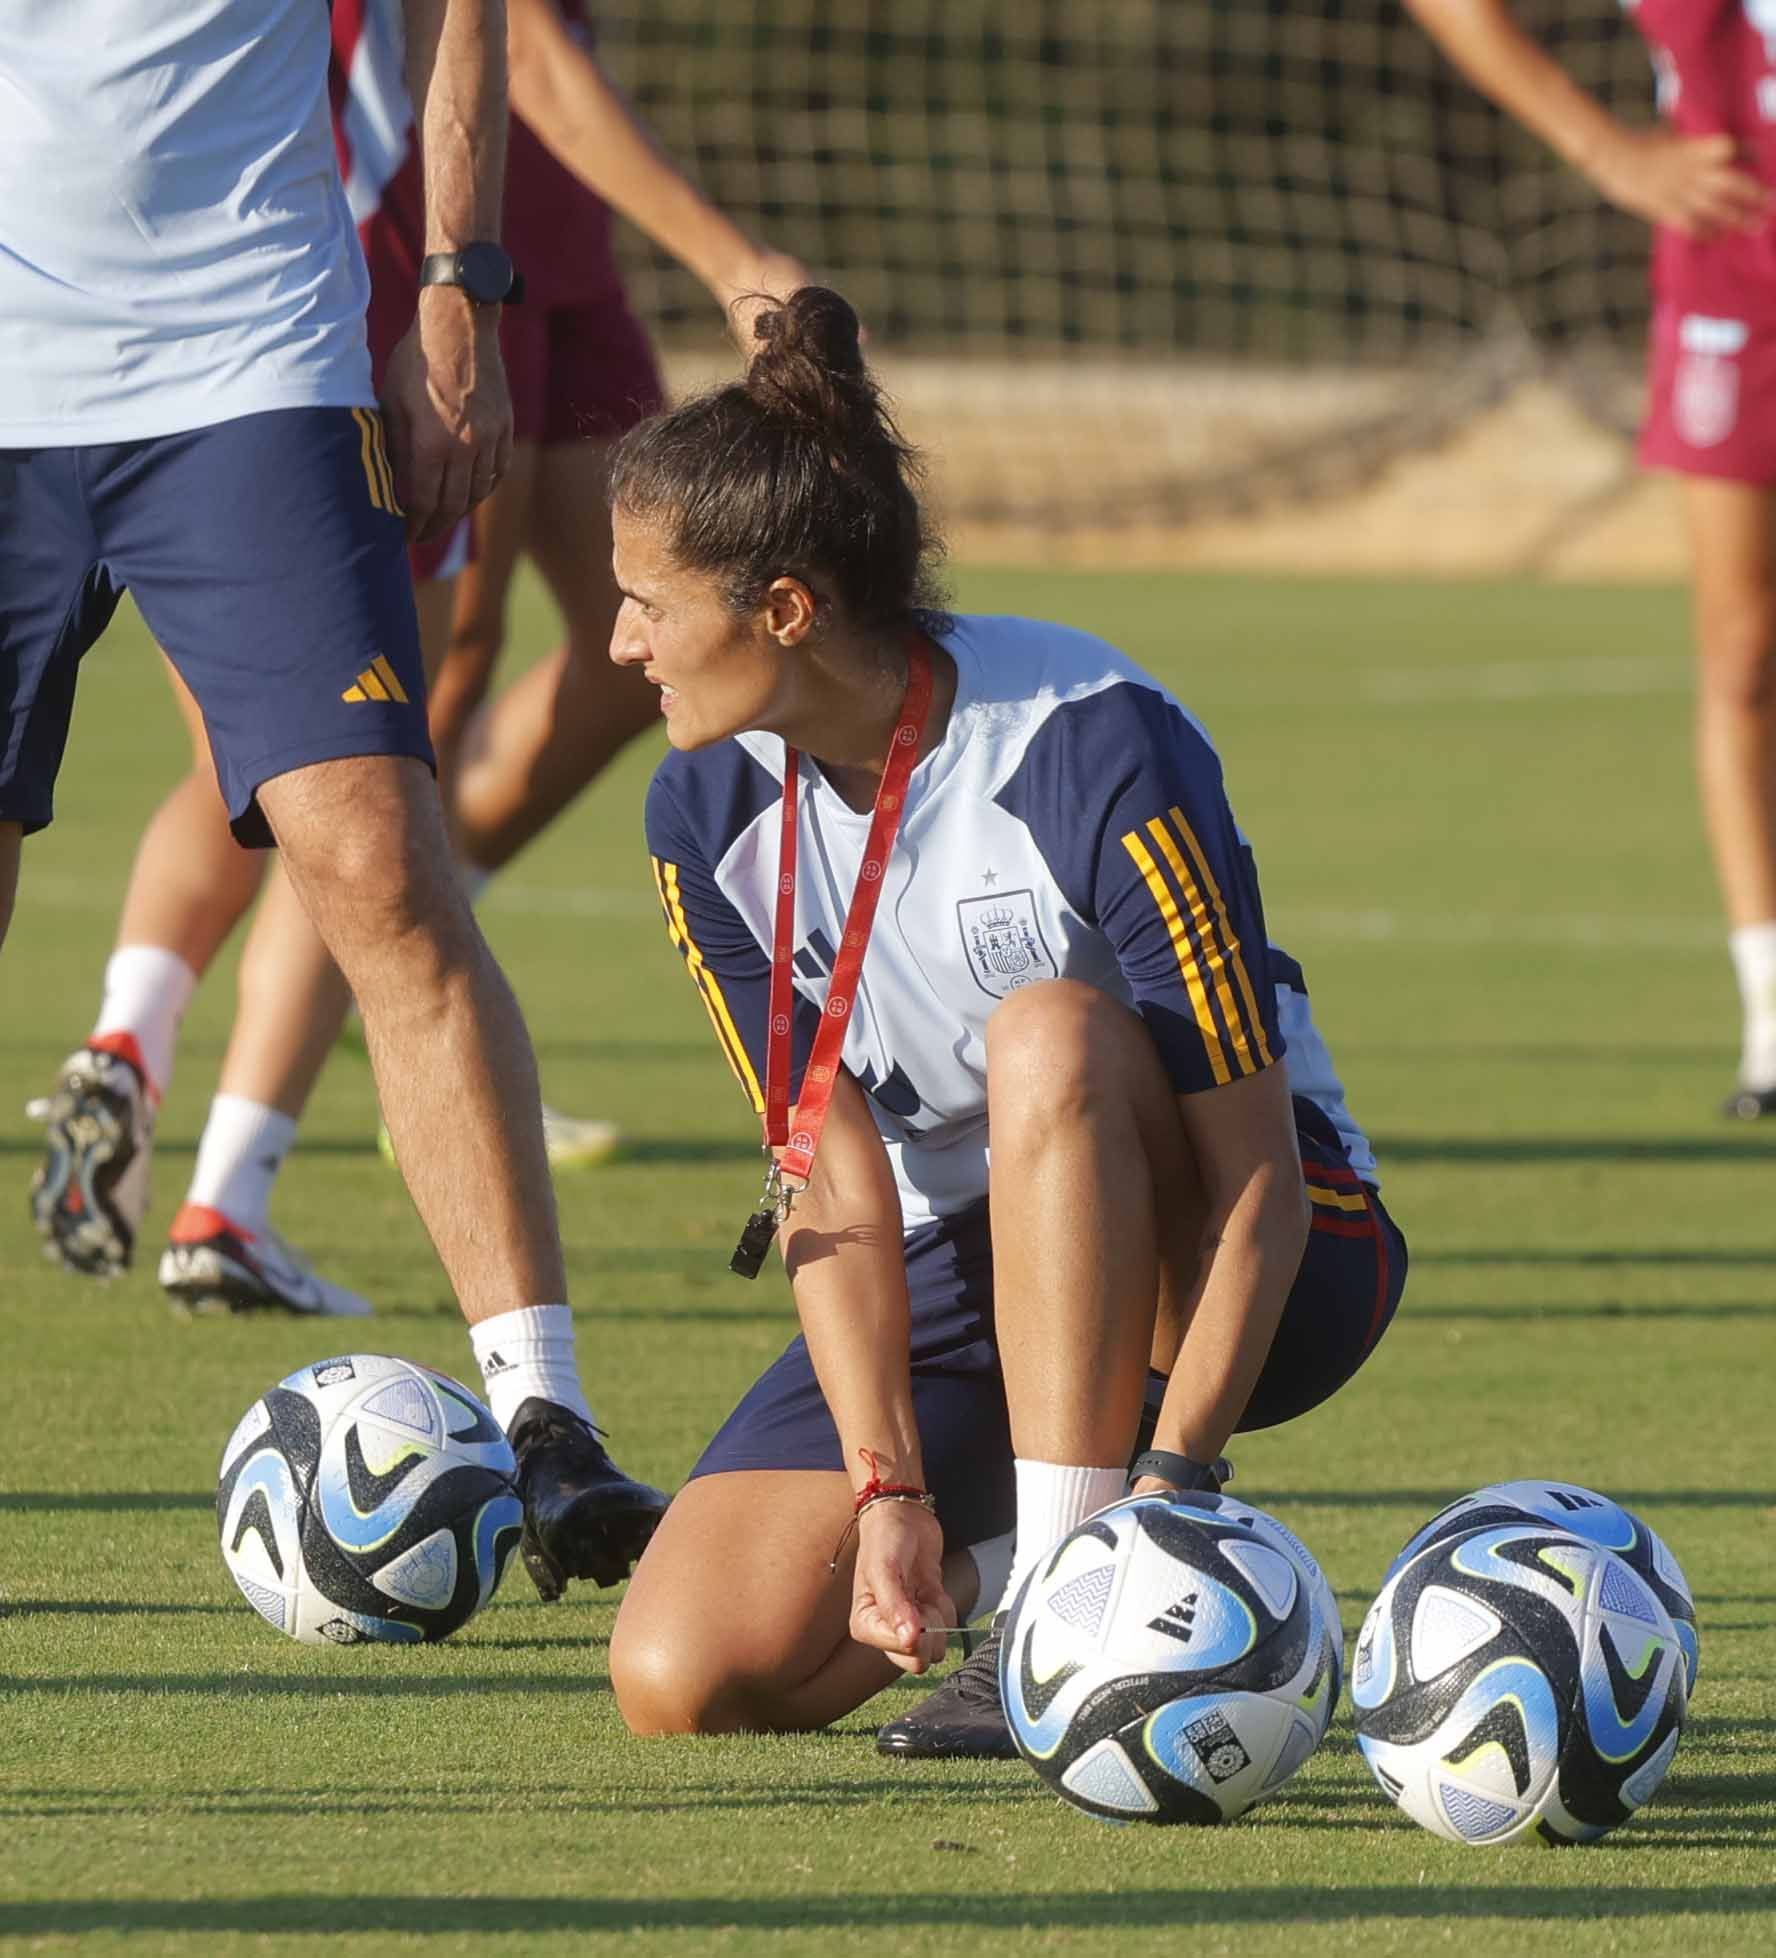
<point x="186" y="413"/>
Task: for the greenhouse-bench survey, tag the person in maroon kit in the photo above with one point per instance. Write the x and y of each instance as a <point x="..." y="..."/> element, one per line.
<point x="1706" y="180"/>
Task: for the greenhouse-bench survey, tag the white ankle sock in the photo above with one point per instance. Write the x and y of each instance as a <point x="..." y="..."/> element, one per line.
<point x="1754" y="960"/>
<point x="147" y="990"/>
<point x="1051" y="1499"/>
<point x="243" y="1148"/>
<point x="529" y="1355"/>
<point x="992" y="1565"/>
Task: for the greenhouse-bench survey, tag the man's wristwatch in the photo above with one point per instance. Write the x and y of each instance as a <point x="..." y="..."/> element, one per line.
<point x="485" y="272"/>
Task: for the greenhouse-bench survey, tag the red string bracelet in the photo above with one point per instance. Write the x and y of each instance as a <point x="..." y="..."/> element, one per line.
<point x="875" y="1490"/>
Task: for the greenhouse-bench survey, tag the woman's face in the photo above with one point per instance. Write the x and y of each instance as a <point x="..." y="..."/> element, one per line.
<point x="717" y="674"/>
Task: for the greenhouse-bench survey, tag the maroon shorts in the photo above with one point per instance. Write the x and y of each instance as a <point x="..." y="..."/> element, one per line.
<point x="1711" y="397"/>
<point x="578" y="373"/>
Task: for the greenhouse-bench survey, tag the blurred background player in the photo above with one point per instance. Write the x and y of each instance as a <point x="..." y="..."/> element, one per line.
<point x="1070" y="963"/>
<point x="581" y="372"/>
<point x="1707" y="182"/>
<point x="187" y="412"/>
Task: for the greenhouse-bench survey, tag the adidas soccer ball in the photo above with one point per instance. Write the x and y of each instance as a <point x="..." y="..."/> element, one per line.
<point x="1173" y="1659"/>
<point x="367" y="1499"/>
<point x="1518" y="1681"/>
<point x="1565" y="1506"/>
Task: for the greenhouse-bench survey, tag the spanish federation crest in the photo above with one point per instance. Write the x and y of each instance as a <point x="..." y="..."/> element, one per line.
<point x="1004" y="942"/>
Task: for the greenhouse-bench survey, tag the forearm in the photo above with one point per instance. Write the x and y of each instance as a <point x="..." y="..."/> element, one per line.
<point x="1485" y="42"/>
<point x="589" y="126"/>
<point x="843" y="1250"/>
<point x="1251" y="1256"/>
<point x="456" y="77"/>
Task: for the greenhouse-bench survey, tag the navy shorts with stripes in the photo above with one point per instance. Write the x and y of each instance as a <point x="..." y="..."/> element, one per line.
<point x="267" y="556"/>
<point x="1343" y="1299"/>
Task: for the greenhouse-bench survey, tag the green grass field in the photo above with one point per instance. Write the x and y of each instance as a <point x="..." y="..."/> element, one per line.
<point x="1473" y="812"/>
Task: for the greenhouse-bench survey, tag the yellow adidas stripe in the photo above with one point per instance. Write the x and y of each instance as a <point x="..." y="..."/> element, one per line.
<point x="372" y="685"/>
<point x="1337" y="1199"/>
<point x="383" y="463"/>
<point x="1205" y="932"/>
<point x="367" y="437"/>
<point x="1229" y="938"/>
<point x="389" y="678"/>
<point x="708" y="986"/>
<point x="354" y="695"/>
<point x="1187" y="962"/>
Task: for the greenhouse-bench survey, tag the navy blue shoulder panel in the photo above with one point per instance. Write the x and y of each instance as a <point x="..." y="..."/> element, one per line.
<point x="697" y="804"/>
<point x="1123" y="796"/>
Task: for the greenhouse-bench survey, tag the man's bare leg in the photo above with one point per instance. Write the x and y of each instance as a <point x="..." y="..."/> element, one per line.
<point x="366" y="851"/>
<point x="12" y="836"/>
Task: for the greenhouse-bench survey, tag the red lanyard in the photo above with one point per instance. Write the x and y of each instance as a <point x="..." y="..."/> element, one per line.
<point x="796" y="1160"/>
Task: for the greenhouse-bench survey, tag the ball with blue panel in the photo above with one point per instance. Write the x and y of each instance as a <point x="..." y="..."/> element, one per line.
<point x="366" y="1499"/>
<point x="1173" y="1659"/>
<point x="1518" y="1682"/>
<point x="1599" y="1519"/>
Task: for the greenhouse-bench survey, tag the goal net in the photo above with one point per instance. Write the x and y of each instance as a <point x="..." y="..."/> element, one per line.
<point x="1138" y="261"/>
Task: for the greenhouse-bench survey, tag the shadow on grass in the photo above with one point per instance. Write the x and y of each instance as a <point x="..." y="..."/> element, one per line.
<point x="1107" y="1909"/>
<point x="1434" y="1499"/>
<point x="106" y="1499"/>
<point x="1672" y="1255"/>
<point x="1575" y="1148"/>
<point x="107" y="1608"/>
<point x="323" y="1686"/>
<point x="1607" y="1309"/>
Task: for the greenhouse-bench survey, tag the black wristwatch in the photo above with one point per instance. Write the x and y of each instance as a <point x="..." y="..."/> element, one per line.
<point x="485" y="272"/>
<point x="1186" y="1476"/>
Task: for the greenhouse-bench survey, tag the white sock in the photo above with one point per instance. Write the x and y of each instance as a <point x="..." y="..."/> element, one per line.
<point x="1051" y="1499"/>
<point x="529" y="1355"/>
<point x="1754" y="960"/>
<point x="243" y="1147"/>
<point x="147" y="990"/>
<point x="992" y="1566"/>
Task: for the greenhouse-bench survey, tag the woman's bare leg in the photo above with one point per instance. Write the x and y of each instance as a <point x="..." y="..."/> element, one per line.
<point x="532" y="750"/>
<point x="1733" y="544"/>
<point x="708" y="1642"/>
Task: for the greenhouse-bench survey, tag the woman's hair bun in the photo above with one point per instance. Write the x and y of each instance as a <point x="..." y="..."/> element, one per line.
<point x="808" y="349"/>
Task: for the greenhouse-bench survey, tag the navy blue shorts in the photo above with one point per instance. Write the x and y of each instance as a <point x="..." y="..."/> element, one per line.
<point x="1344" y="1296"/>
<point x="267" y="556"/>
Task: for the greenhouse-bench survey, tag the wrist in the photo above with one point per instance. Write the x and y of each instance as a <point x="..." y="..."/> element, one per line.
<point x="1180" y="1471"/>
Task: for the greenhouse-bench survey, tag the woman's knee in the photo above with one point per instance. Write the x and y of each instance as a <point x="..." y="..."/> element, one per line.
<point x="1062" y="1045"/>
<point x="673" y="1679"/>
<point x="1737" y="643"/>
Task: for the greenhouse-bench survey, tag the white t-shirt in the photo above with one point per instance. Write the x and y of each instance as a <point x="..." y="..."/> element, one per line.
<point x="1071" y="823"/>
<point x="176" y="249"/>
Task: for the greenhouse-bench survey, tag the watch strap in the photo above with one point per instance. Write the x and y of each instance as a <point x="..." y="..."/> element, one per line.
<point x="1180" y="1471"/>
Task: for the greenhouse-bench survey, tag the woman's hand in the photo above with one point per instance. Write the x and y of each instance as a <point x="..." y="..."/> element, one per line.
<point x="1690" y="183"/>
<point x="755" y="285"/>
<point x="898" y="1602"/>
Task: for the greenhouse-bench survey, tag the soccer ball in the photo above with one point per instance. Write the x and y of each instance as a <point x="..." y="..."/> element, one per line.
<point x="1565" y="1506"/>
<point x="1173" y="1659"/>
<point x="367" y="1499"/>
<point x="1516" y="1681"/>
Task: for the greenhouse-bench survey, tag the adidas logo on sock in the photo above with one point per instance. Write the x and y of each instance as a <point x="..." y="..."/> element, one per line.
<point x="495" y="1363"/>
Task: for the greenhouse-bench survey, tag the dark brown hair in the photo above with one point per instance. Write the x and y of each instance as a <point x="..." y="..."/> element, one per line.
<point x="798" y="470"/>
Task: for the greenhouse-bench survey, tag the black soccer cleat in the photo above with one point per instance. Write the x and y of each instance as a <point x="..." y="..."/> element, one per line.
<point x="89" y="1196"/>
<point x="1749" y="1104"/>
<point x="583" y="1517"/>
<point x="961" y="1720"/>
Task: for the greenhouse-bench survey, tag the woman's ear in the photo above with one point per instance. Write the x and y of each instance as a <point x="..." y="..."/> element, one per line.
<point x="791" y="611"/>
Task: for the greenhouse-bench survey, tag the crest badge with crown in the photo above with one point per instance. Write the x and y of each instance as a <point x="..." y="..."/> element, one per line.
<point x="1003" y="939"/>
